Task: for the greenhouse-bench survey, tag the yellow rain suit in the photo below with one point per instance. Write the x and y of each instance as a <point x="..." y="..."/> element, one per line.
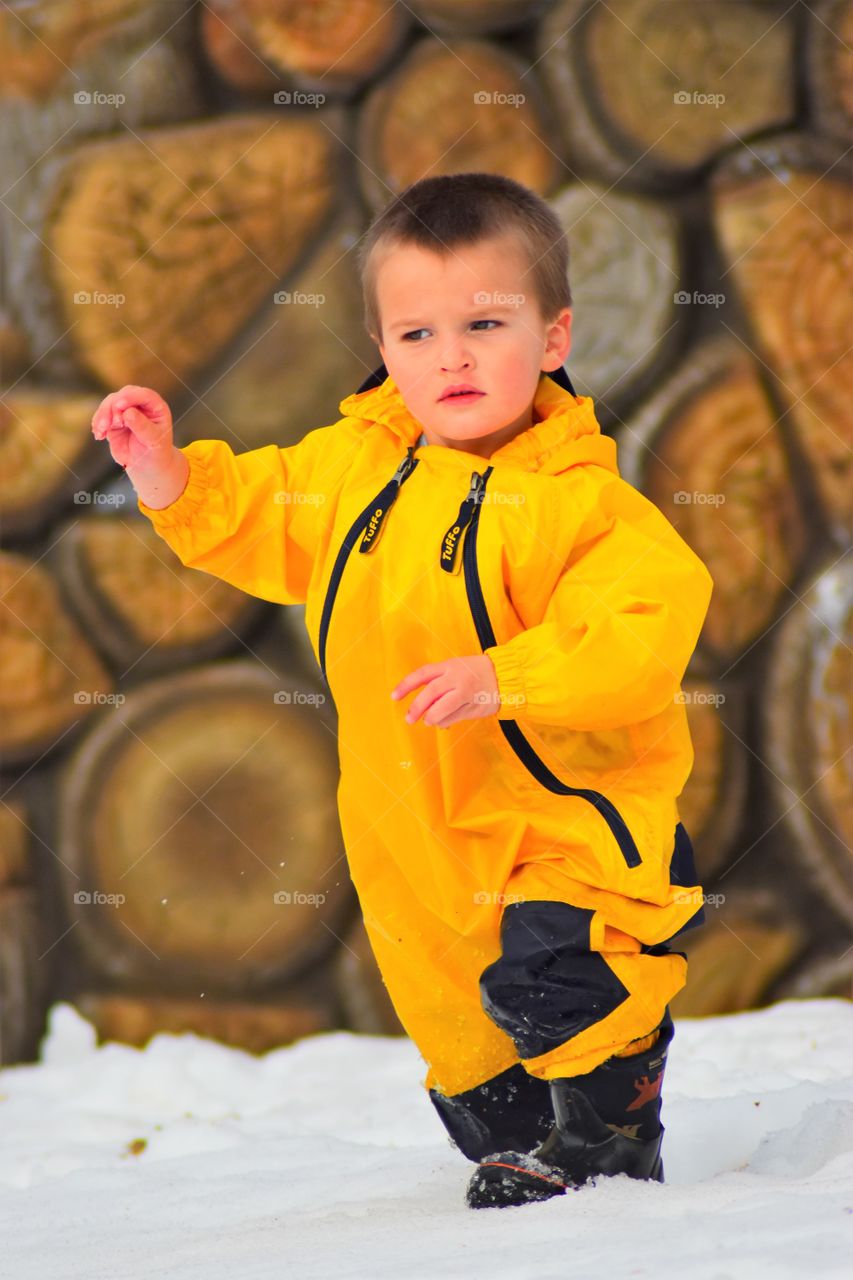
<point x="588" y="603"/>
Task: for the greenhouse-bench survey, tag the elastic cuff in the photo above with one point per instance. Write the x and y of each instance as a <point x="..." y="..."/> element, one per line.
<point x="637" y="1046"/>
<point x="189" y="502"/>
<point x="510" y="677"/>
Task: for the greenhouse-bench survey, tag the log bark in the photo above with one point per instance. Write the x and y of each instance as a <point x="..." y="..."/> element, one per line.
<point x="15" y="859"/>
<point x="330" y="46"/>
<point x="303" y="352"/>
<point x="454" y="106"/>
<point x="705" y="449"/>
<point x="256" y="1027"/>
<point x="199" y="837"/>
<point x="824" y="978"/>
<point x="362" y="994"/>
<point x="224" y="40"/>
<point x="22" y="976"/>
<point x="626" y="260"/>
<point x="148" y="611"/>
<point x="291" y="632"/>
<point x="53" y="678"/>
<point x="637" y="88"/>
<point x="72" y="71"/>
<point x="712" y="802"/>
<point x="829" y="67"/>
<point x="476" y="17"/>
<point x="161" y="246"/>
<point x="807" y="710"/>
<point x="783" y="216"/>
<point x="40" y="41"/>
<point x="747" y="943"/>
<point x="15" y="358"/>
<point x="23" y="969"/>
<point x="47" y="455"/>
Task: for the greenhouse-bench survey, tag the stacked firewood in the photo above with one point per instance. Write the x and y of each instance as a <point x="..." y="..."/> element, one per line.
<point x="184" y="188"/>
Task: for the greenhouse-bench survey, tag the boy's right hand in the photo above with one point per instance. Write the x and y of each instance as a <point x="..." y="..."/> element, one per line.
<point x="137" y="424"/>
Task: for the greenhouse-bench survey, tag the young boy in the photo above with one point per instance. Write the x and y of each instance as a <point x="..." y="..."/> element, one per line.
<point x="462" y="535"/>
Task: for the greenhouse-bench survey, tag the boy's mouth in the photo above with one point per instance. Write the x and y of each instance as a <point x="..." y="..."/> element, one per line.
<point x="464" y="393"/>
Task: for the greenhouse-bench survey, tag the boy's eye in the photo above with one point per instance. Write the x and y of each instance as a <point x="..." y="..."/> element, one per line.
<point x="408" y="336"/>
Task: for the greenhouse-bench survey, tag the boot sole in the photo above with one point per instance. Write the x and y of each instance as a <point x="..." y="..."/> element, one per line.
<point x="502" y="1183"/>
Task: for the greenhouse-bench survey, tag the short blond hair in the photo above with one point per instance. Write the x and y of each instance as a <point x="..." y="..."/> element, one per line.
<point x="456" y="209"/>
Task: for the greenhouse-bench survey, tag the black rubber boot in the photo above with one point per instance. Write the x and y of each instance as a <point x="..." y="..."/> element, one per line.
<point x="511" y="1110"/>
<point x="582" y="1145"/>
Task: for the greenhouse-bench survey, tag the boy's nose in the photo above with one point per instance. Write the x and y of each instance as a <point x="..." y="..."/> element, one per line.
<point x="455" y="358"/>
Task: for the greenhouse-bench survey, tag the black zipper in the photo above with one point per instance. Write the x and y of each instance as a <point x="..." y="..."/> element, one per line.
<point x="453" y="539"/>
<point x="370" y="521"/>
<point x="516" y="739"/>
<point x="385" y="499"/>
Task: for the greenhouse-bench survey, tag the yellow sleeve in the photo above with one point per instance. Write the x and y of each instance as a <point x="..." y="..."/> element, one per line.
<point x="620" y="626"/>
<point x="252" y="519"/>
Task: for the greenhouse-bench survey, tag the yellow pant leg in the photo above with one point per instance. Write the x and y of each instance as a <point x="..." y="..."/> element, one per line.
<point x="433" y="974"/>
<point x="621" y="992"/>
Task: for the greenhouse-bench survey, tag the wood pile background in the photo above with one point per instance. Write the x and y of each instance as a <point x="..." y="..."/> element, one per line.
<point x="183" y="188"/>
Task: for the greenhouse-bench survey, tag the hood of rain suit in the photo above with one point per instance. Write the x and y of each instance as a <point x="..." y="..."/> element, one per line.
<point x="565" y="432"/>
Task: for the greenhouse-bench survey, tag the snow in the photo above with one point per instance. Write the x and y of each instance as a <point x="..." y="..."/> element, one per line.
<point x="326" y="1159"/>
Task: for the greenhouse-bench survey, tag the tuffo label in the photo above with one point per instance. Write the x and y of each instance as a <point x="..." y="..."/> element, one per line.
<point x="451" y="538"/>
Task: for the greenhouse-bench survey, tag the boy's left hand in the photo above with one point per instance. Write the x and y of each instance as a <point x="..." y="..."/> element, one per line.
<point x="457" y="689"/>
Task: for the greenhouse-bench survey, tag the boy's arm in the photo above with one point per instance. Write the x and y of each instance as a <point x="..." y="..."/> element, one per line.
<point x="252" y="519"/>
<point x="621" y="624"/>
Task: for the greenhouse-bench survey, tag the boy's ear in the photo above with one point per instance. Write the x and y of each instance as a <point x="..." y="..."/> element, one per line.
<point x="558" y="341"/>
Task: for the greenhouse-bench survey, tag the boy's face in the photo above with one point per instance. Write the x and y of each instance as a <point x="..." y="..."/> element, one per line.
<point x="466" y="317"/>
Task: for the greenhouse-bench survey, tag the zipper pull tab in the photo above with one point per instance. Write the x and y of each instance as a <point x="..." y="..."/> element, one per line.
<point x="452" y="540"/>
<point x="385" y="500"/>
